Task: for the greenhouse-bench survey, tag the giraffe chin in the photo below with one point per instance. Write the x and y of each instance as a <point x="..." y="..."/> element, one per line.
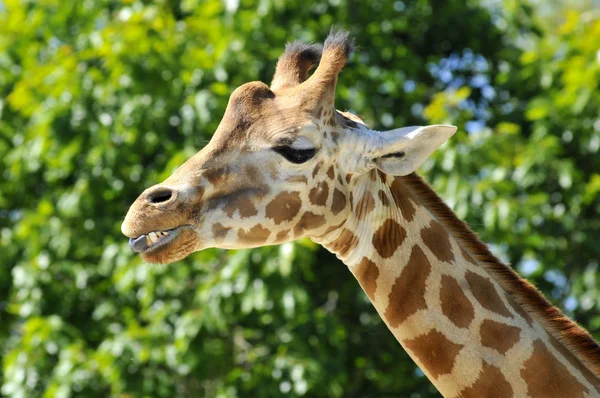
<point x="179" y="247"/>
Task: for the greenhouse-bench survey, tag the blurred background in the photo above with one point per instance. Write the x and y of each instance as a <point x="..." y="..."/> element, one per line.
<point x="100" y="99"/>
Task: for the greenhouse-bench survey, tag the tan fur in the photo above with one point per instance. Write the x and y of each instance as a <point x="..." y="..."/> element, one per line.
<point x="564" y="329"/>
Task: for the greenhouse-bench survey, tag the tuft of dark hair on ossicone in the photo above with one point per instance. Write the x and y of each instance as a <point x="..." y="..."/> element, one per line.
<point x="310" y="53"/>
<point x="340" y="38"/>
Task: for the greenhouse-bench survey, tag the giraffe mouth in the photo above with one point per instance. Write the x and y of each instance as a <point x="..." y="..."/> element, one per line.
<point x="153" y="240"/>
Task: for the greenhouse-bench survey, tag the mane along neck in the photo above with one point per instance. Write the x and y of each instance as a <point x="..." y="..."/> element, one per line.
<point x="440" y="290"/>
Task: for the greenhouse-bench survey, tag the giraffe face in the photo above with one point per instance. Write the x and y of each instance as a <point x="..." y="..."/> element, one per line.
<point x="268" y="175"/>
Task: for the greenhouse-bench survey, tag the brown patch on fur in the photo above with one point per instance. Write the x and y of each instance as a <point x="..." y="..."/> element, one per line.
<point x="383" y="198"/>
<point x="338" y="203"/>
<point x="219" y="231"/>
<point x="365" y="205"/>
<point x="255" y="235"/>
<point x="435" y="352"/>
<point x="455" y="305"/>
<point x="319" y="194"/>
<point x="341" y="180"/>
<point x="373" y="175"/>
<point x="388" y="238"/>
<point x="408" y="292"/>
<point x="284" y="207"/>
<point x="366" y="273"/>
<point x="438" y="241"/>
<point x="282" y="236"/>
<point x="331" y="173"/>
<point x="498" y="336"/>
<point x="547" y="377"/>
<point x="216" y="176"/>
<point x="576" y="363"/>
<point x="490" y="383"/>
<point x="402" y="198"/>
<point x="382" y="176"/>
<point x="308" y="222"/>
<point x="316" y="170"/>
<point x="485" y="292"/>
<point x="568" y="332"/>
<point x="348" y="178"/>
<point x="241" y="203"/>
<point x="345" y="243"/>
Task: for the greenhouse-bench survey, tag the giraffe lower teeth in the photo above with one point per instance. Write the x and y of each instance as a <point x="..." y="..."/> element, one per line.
<point x="152" y="240"/>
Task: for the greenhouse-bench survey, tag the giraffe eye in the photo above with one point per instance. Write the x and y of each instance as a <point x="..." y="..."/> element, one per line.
<point x="294" y="155"/>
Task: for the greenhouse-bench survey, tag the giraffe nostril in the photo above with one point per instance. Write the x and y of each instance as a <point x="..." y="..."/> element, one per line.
<point x="160" y="196"/>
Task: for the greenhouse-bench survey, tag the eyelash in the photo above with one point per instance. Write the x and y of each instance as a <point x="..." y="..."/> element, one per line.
<point x="293" y="155"/>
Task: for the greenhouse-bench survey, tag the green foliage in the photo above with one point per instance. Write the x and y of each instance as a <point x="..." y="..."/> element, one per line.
<point x="100" y="99"/>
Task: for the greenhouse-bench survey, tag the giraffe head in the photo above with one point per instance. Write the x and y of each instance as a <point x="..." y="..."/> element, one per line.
<point x="279" y="166"/>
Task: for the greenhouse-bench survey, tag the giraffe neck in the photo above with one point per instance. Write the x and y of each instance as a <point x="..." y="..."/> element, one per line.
<point x="466" y="332"/>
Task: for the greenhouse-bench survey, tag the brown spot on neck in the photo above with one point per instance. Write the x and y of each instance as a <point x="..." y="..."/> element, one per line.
<point x="435" y="352"/>
<point x="455" y="305"/>
<point x="284" y="207"/>
<point x="402" y="199"/>
<point x="366" y="273"/>
<point x="499" y="336"/>
<point x="345" y="243"/>
<point x="490" y="383"/>
<point x="373" y="175"/>
<point x="576" y="363"/>
<point x="408" y="292"/>
<point x="383" y="198"/>
<point x="365" y="205"/>
<point x="388" y="238"/>
<point x="486" y="294"/>
<point x="547" y="377"/>
<point x="438" y="241"/>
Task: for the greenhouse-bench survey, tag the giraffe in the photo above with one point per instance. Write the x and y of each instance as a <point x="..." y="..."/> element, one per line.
<point x="284" y="164"/>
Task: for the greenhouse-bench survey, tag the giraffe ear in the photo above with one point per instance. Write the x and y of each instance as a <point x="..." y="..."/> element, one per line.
<point x="401" y="151"/>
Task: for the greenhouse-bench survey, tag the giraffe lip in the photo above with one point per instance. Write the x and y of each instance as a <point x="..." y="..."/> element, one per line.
<point x="151" y="241"/>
